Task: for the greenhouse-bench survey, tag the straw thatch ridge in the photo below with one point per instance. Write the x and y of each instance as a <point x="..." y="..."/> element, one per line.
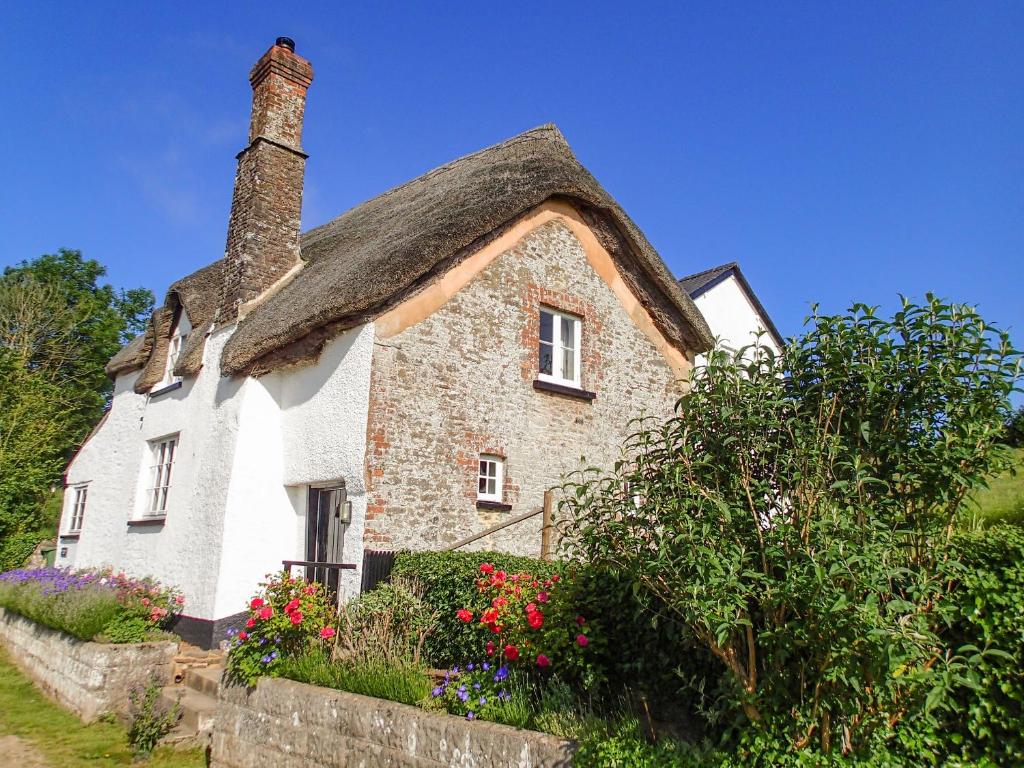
<point x="381" y="252"/>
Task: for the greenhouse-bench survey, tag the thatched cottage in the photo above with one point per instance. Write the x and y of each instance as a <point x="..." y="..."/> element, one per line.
<point x="418" y="370"/>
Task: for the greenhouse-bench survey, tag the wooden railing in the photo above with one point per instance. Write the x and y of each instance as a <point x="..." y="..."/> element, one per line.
<point x="547" y="527"/>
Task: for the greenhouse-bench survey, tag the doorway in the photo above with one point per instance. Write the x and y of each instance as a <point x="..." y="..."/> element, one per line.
<point x="327" y="519"/>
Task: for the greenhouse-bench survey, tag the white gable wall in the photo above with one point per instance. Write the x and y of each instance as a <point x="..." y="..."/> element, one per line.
<point x="732" y="317"/>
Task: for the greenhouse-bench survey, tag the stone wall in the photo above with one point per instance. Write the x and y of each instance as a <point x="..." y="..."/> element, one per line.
<point x="281" y="722"/>
<point x="460" y="382"/>
<point x="90" y="679"/>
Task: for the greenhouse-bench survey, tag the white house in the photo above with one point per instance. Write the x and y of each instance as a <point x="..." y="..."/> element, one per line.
<point x="416" y="371"/>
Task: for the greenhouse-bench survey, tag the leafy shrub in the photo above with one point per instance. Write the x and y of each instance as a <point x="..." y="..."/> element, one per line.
<point x="449" y="584"/>
<point x="984" y="719"/>
<point x="390" y="621"/>
<point x="404" y="682"/>
<point x="150" y="719"/>
<point x="103" y="605"/>
<point x="793" y="520"/>
<point x="286" y="617"/>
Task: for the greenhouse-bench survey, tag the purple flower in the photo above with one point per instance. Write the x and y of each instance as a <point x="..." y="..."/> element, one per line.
<point x="437" y="691"/>
<point x="469" y="667"/>
<point x="470" y="715"/>
<point x="483" y="700"/>
<point x="485" y="666"/>
<point x="501" y="674"/>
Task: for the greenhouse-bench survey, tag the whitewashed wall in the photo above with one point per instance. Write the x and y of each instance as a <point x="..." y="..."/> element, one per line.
<point x="732" y="317"/>
<point x="247" y="451"/>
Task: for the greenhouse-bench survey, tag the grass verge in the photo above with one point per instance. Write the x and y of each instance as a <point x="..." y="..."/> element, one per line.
<point x="62" y="739"/>
<point x="1002" y="501"/>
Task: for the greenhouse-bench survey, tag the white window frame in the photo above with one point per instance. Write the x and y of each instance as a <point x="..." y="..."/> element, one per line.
<point x="483" y="473"/>
<point x="557" y="375"/>
<point x="163" y="452"/>
<point x="175" y="345"/>
<point x="78" y="508"/>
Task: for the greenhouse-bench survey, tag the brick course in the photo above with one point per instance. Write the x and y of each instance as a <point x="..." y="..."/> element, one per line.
<point x="460" y="383"/>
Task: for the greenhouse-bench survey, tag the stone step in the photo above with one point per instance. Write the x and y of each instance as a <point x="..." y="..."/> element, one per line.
<point x="204" y="680"/>
<point x="198" y="711"/>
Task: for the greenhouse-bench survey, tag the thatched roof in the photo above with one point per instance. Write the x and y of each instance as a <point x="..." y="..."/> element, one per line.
<point x="381" y="252"/>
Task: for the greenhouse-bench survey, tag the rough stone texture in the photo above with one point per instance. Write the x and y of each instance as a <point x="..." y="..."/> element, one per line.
<point x="460" y="383"/>
<point x="90" y="679"/>
<point x="283" y="723"/>
<point x="263" y="231"/>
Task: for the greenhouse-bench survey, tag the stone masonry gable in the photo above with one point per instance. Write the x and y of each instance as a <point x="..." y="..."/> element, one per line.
<point x="457" y="381"/>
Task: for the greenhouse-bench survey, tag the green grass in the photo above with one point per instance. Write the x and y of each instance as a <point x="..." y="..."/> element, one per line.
<point x="1002" y="501"/>
<point x="62" y="739"/>
<point x="383" y="679"/>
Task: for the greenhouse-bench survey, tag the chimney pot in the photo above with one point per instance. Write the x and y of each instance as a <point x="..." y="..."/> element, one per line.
<point x="286" y="42"/>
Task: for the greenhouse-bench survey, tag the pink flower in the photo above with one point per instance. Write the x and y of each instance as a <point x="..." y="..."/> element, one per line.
<point x="327" y="633"/>
<point x="535" y="619"/>
<point x="180" y="599"/>
<point x="580" y="620"/>
<point x="296" y="618"/>
<point x="257" y="602"/>
<point x="581" y="641"/>
<point x="543" y="661"/>
<point x="265" y="612"/>
<point x="250" y="623"/>
<point x="531" y="607"/>
<point x="542" y="597"/>
<point x="490" y="648"/>
<point x="145" y="601"/>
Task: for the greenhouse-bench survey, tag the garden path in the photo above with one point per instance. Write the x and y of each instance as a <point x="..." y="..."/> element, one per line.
<point x="15" y="751"/>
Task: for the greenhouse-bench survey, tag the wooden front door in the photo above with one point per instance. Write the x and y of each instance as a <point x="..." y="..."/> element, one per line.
<point x="325" y="533"/>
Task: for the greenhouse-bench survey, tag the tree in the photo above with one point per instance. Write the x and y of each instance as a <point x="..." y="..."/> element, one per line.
<point x="58" y="328"/>
<point x="794" y="515"/>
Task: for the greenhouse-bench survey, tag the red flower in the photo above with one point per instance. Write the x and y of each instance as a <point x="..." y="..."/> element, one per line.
<point x="535" y="619"/>
<point x="495" y="628"/>
<point x="257" y="602"/>
<point x="296" y="617"/>
<point x="488" y="617"/>
<point x="530" y="608"/>
<point x="511" y="652"/>
<point x="581" y="641"/>
<point x="243" y="636"/>
<point x="580" y="620"/>
<point x="464" y="615"/>
<point x="250" y="623"/>
<point x="327" y="633"/>
<point x="499" y="577"/>
<point x="542" y="597"/>
<point x="543" y="661"/>
<point x="486" y="568"/>
<point x="292" y="606"/>
<point x="554" y="579"/>
<point x="266" y="612"/>
<point x="490" y="648"/>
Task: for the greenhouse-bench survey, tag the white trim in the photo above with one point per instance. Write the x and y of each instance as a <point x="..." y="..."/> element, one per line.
<point x="559" y="347"/>
<point x="490" y="477"/>
<point x="163" y="451"/>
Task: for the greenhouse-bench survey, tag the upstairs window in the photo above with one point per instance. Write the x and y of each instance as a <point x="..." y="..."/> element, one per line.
<point x="78" y="508"/>
<point x="491" y="476"/>
<point x="163" y="451"/>
<point x="559" y="359"/>
<point x="175" y="345"/>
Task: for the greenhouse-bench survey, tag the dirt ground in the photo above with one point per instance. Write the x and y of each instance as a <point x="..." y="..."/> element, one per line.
<point x="16" y="752"/>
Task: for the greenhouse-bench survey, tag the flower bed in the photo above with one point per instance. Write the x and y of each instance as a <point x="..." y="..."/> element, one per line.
<point x="91" y="605"/>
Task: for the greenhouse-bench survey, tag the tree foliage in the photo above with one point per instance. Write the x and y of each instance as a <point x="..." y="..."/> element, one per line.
<point x="794" y="516"/>
<point x="58" y="327"/>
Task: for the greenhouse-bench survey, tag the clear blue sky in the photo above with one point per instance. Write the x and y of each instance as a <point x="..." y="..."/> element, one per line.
<point x="838" y="151"/>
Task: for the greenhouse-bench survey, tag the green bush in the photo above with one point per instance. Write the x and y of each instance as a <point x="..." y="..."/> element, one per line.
<point x="150" y="719"/>
<point x="449" y="580"/>
<point x="985" y="722"/>
<point x="793" y="519"/>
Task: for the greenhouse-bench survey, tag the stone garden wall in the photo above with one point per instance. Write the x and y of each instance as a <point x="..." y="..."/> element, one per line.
<point x="90" y="679"/>
<point x="281" y="722"/>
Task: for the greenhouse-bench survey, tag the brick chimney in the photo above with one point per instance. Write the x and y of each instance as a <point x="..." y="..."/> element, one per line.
<point x="263" y="232"/>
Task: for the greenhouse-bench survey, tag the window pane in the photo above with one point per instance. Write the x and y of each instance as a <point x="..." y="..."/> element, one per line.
<point x="546" y="326"/>
<point x="568" y="364"/>
<point x="482" y="488"/>
<point x="568" y="333"/>
<point x="546" y="358"/>
<point x="491" y="487"/>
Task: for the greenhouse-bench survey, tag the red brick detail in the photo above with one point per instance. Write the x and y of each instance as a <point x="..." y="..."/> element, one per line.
<point x="532" y="299"/>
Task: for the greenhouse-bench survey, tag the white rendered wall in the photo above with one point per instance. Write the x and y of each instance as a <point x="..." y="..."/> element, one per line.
<point x="300" y="427"/>
<point x="732" y="318"/>
<point x="247" y="451"/>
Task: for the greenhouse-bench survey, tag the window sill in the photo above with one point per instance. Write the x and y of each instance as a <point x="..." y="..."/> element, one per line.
<point x="562" y="389"/>
<point x="147" y="521"/>
<point x="493" y="506"/>
<point x="165" y="390"/>
<point x="72" y="536"/>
